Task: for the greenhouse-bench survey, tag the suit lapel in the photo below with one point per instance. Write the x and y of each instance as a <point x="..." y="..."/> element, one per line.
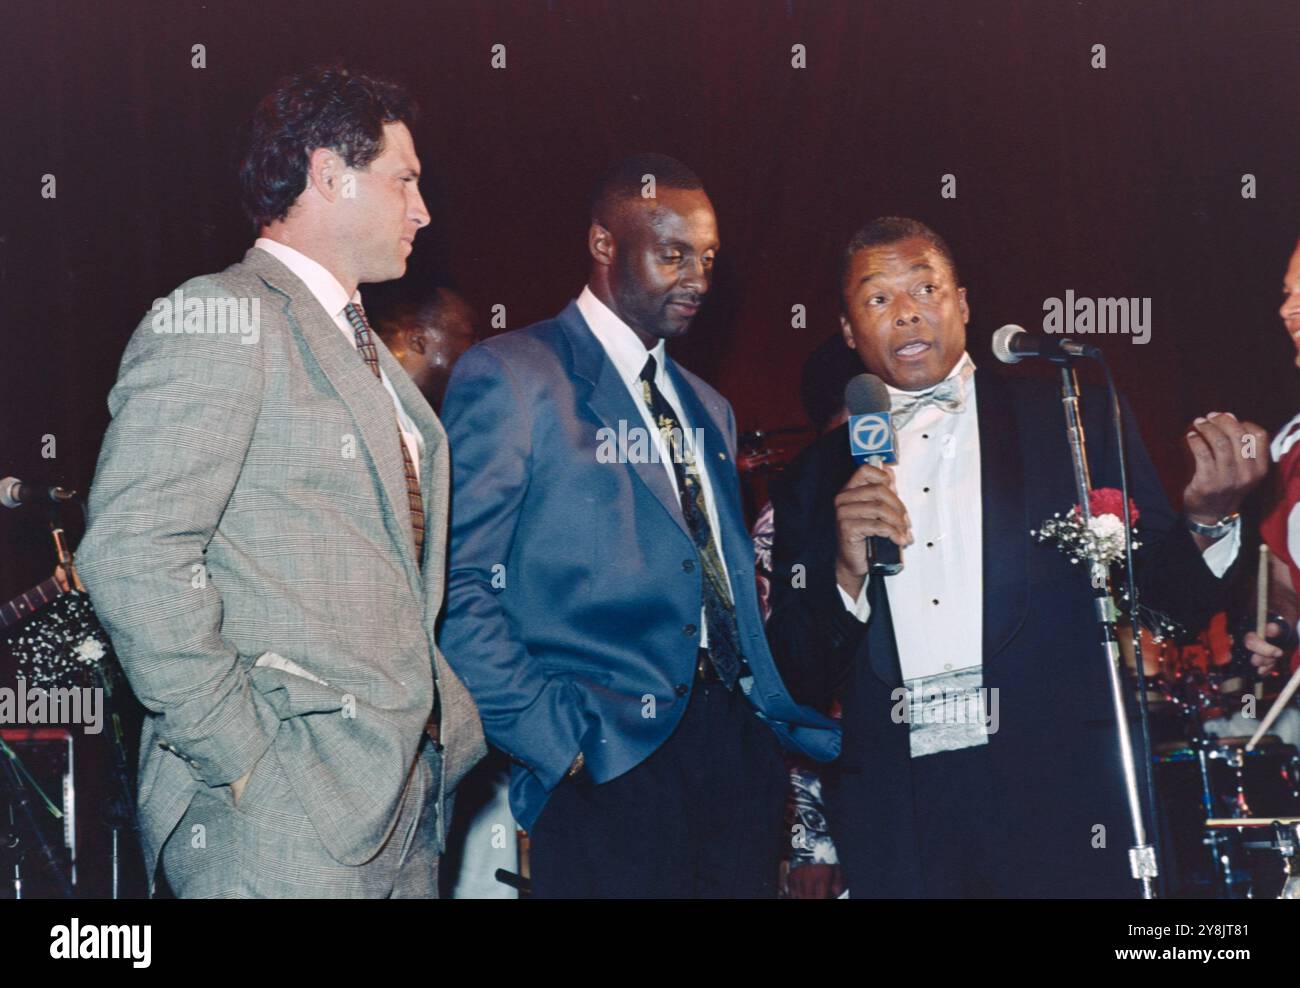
<point x="358" y="388"/>
<point x="1005" y="524"/>
<point x="882" y="645"/>
<point x="611" y="401"/>
<point x="608" y="397"/>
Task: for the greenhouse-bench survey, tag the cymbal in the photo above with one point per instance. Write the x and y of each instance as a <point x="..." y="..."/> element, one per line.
<point x="1241" y="742"/>
<point x="1213" y="743"/>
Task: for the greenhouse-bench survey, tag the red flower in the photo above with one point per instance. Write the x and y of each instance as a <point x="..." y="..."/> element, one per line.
<point x="1109" y="501"/>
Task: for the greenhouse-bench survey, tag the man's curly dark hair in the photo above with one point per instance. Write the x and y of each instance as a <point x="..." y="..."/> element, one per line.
<point x="323" y="107"/>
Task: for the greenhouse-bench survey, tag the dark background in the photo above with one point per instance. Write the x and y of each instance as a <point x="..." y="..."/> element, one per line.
<point x="1123" y="181"/>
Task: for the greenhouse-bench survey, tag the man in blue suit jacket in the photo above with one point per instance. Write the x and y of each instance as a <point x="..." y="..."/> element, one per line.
<point x="602" y="606"/>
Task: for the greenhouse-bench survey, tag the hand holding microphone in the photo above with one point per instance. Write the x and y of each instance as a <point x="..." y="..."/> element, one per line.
<point x="868" y="513"/>
<point x="871" y="522"/>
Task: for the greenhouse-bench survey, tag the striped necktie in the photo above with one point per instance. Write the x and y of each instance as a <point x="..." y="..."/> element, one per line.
<point x="366" y="347"/>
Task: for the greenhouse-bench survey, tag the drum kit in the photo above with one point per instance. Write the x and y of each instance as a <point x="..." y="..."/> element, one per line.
<point x="1229" y="801"/>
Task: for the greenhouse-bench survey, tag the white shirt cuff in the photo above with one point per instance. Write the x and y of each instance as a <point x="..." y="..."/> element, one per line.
<point x="859" y="608"/>
<point x="1222" y="553"/>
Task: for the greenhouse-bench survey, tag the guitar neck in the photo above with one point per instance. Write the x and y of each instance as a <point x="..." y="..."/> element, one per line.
<point x="27" y="604"/>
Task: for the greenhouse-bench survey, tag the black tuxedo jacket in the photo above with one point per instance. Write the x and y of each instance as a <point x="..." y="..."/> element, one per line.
<point x="1055" y="769"/>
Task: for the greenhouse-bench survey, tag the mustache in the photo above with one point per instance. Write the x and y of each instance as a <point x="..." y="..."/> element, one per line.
<point x="686" y="299"/>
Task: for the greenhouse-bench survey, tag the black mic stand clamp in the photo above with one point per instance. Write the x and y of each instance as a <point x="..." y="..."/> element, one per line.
<point x="1142" y="855"/>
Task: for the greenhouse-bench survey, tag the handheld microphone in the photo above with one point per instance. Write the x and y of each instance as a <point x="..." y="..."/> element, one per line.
<point x="1011" y="344"/>
<point x="871" y="440"/>
<point x="13" y="493"/>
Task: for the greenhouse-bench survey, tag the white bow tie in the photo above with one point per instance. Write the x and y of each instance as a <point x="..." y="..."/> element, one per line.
<point x="949" y="395"/>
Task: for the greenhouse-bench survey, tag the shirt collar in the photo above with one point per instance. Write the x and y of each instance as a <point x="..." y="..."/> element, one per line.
<point x="1286" y="437"/>
<point x="332" y="296"/>
<point x="964" y="368"/>
<point x="624" y="349"/>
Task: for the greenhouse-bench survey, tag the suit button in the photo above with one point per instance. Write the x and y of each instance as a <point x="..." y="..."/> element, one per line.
<point x="690" y="630"/>
<point x="688" y="565"/>
<point x="681" y="689"/>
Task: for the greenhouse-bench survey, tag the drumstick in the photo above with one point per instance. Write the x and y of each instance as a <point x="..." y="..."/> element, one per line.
<point x="1278" y="706"/>
<point x="1261" y="607"/>
<point x="1261" y="593"/>
<point x="1263" y="821"/>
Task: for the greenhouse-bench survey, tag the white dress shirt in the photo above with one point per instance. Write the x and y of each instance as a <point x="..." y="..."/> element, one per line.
<point x="334" y="299"/>
<point x="628" y="355"/>
<point x="937" y="601"/>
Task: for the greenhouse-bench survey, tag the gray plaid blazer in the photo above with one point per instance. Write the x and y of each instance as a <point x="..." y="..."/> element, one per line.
<point x="251" y="554"/>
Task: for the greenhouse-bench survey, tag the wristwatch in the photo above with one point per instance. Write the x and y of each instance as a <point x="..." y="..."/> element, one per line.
<point x="1216" y="531"/>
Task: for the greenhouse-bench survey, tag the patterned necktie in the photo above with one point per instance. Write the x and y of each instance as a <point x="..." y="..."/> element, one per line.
<point x="719" y="611"/>
<point x="949" y="394"/>
<point x="365" y="346"/>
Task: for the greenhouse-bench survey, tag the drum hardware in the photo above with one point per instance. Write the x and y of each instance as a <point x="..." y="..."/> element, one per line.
<point x="764" y="451"/>
<point x="1279" y="705"/>
<point x="761" y="454"/>
<point x="58" y="642"/>
<point x="1276" y="835"/>
<point x="1208" y="786"/>
<point x="25" y="833"/>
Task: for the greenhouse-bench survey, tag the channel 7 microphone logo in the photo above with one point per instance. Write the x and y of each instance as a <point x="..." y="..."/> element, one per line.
<point x="871" y="436"/>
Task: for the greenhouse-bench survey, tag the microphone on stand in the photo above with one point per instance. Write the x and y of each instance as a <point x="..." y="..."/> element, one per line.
<point x="1012" y="344"/>
<point x="871" y="440"/>
<point x="14" y="493"/>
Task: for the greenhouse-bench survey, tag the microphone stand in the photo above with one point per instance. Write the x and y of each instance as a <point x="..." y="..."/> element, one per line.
<point x="121" y="814"/>
<point x="14" y="794"/>
<point x="1142" y="855"/>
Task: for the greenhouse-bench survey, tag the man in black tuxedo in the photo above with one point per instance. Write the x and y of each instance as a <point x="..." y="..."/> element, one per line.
<point x="979" y="754"/>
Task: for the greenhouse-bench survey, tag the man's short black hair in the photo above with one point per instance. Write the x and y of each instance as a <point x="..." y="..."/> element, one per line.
<point x="825" y="373"/>
<point x="324" y="107"/>
<point x="625" y="179"/>
<point x="885" y="230"/>
<point x="425" y="310"/>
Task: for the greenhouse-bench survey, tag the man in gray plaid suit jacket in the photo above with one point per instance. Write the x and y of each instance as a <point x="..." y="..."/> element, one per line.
<point x="268" y="534"/>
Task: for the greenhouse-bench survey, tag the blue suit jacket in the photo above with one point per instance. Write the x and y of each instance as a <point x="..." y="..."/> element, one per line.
<point x="574" y="591"/>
